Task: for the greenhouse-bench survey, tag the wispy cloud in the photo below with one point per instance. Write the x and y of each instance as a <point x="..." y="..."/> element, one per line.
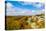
<point x="12" y="11"/>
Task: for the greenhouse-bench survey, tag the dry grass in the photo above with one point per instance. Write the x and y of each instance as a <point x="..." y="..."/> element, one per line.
<point x="25" y="22"/>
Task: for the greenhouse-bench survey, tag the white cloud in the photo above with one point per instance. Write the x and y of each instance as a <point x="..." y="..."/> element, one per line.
<point x="38" y="5"/>
<point x="9" y="5"/>
<point x="15" y="10"/>
<point x="12" y="11"/>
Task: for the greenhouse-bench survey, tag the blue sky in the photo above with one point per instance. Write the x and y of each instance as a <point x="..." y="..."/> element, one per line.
<point x="20" y="7"/>
<point x="24" y="5"/>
